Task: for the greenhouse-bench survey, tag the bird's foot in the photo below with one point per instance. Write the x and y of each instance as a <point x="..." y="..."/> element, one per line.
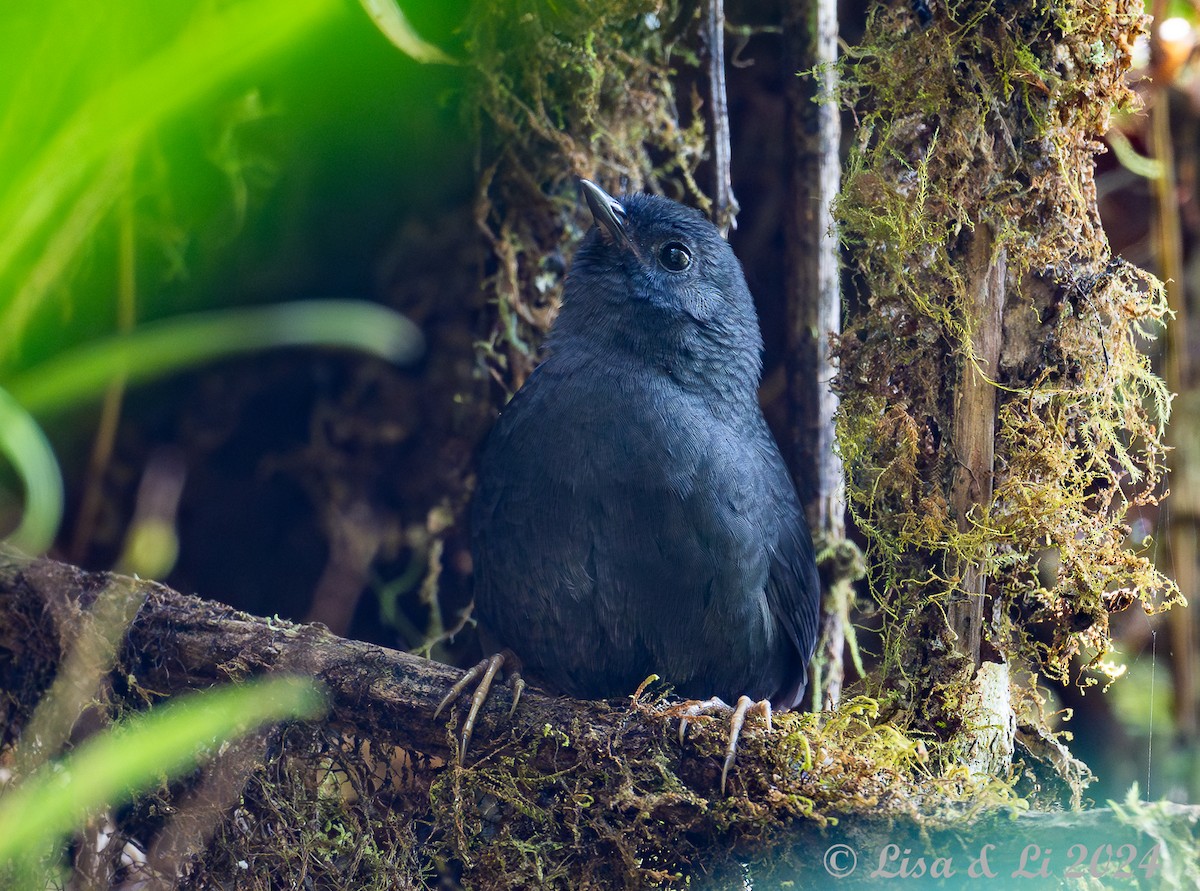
<point x="690" y="711"/>
<point x="485" y="673"/>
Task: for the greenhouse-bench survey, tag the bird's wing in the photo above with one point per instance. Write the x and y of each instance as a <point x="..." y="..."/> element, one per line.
<point x="793" y="586"/>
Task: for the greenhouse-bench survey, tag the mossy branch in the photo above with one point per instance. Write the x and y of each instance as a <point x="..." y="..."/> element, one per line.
<point x="558" y="778"/>
<point x="562" y="794"/>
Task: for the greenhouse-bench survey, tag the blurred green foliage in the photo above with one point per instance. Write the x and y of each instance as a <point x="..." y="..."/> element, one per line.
<point x="110" y="767"/>
<point x="161" y="159"/>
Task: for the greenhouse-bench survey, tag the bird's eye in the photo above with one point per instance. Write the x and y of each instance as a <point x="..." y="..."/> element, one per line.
<point x="674" y="256"/>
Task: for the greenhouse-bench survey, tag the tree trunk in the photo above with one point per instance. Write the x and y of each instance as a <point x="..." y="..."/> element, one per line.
<point x="814" y="305"/>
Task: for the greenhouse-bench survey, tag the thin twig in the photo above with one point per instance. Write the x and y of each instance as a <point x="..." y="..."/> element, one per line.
<point x="725" y="206"/>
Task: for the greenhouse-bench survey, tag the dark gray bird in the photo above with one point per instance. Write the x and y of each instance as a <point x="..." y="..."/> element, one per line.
<point x="634" y="515"/>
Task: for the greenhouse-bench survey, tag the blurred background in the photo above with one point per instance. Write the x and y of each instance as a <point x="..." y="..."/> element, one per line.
<point x="167" y="172"/>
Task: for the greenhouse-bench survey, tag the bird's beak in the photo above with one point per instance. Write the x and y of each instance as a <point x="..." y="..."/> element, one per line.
<point x="606" y="211"/>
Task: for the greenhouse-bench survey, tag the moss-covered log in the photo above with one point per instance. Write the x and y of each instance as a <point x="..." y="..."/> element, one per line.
<point x="563" y="794"/>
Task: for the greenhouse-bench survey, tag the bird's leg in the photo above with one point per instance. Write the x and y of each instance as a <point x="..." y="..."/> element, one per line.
<point x="484" y="672"/>
<point x="737" y="718"/>
<point x="744" y="706"/>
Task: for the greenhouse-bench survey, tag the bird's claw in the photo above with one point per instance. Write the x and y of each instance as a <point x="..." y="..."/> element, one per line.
<point x="737" y="718"/>
<point x="696" y="708"/>
<point x="485" y="673"/>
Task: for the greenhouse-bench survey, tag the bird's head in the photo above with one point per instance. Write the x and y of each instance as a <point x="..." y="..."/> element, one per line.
<point x="655" y="281"/>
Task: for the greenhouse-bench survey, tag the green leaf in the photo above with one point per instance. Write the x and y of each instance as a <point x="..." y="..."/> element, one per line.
<point x="110" y="122"/>
<point x="25" y="446"/>
<point x="158" y="348"/>
<point x="169" y="739"/>
<point x="390" y="19"/>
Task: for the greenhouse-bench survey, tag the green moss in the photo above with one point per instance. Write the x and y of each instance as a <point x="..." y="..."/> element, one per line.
<point x="622" y="812"/>
<point x="989" y="117"/>
<point x="562" y="90"/>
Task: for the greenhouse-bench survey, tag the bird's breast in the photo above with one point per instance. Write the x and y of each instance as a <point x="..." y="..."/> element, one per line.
<point x="633" y="521"/>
